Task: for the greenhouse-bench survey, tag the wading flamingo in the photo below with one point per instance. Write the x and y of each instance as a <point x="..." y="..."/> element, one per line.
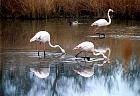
<point x="102" y="22"/>
<point x="43" y="36"/>
<point x="87" y="46"/>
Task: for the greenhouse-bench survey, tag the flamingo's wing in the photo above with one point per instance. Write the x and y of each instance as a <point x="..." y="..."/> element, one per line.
<point x="100" y="22"/>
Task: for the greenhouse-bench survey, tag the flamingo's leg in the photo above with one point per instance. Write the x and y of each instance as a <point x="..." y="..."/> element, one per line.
<point x="38" y="48"/>
<point x="44" y="51"/>
<point x="38" y="52"/>
<point x="88" y="58"/>
<point x="101" y="36"/>
<point x="95" y="31"/>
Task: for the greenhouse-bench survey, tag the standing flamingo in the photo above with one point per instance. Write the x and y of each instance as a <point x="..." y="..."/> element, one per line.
<point x="43" y="36"/>
<point x="89" y="47"/>
<point x="102" y="22"/>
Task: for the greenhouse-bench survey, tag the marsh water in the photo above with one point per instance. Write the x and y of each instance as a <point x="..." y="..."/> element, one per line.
<point x="24" y="73"/>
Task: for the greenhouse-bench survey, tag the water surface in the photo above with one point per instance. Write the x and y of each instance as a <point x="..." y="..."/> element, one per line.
<point x="24" y="73"/>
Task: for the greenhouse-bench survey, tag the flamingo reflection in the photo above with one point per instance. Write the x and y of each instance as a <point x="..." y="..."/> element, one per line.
<point x="88" y="70"/>
<point x="85" y="72"/>
<point x="41" y="72"/>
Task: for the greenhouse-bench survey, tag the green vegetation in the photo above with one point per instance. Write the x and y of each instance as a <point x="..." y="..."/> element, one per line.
<point x="37" y="9"/>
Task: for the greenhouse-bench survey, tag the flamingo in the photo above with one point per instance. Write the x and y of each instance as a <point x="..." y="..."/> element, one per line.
<point x="44" y="36"/>
<point x="88" y="46"/>
<point x="102" y="22"/>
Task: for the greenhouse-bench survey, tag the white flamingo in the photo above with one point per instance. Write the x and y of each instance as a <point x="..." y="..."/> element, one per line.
<point x="102" y="22"/>
<point x="89" y="47"/>
<point x="43" y="36"/>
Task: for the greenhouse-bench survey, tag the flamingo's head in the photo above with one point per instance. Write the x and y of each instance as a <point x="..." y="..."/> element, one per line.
<point x="63" y="51"/>
<point x="93" y="24"/>
<point x="33" y="39"/>
<point x="110" y="10"/>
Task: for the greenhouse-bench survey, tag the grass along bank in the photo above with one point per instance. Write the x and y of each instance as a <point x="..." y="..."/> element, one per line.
<point x="69" y="8"/>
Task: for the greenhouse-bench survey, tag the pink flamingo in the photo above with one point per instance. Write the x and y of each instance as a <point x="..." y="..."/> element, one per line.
<point x="43" y="36"/>
<point x="102" y="22"/>
<point x="89" y="47"/>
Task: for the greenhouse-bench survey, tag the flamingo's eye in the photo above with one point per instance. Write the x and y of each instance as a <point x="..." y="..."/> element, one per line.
<point x="79" y="47"/>
<point x="39" y="38"/>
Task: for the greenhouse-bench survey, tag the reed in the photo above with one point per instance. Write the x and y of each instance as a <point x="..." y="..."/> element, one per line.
<point x="68" y="8"/>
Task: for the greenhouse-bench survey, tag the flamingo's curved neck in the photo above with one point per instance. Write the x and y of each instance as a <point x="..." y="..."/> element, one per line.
<point x="109" y="18"/>
<point x="54" y="46"/>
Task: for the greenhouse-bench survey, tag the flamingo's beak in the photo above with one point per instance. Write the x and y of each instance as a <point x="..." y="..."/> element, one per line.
<point x="32" y="39"/>
<point x="92" y="24"/>
<point x="75" y="48"/>
<point x="63" y="51"/>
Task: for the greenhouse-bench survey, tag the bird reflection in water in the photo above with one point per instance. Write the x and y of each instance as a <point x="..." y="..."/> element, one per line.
<point x="43" y="72"/>
<point x="103" y="52"/>
<point x="88" y="69"/>
<point x="85" y="71"/>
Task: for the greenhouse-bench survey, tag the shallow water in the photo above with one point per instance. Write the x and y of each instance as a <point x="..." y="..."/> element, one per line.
<point x="24" y="73"/>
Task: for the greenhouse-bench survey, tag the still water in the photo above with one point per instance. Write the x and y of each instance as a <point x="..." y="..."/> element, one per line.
<point x="24" y="73"/>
